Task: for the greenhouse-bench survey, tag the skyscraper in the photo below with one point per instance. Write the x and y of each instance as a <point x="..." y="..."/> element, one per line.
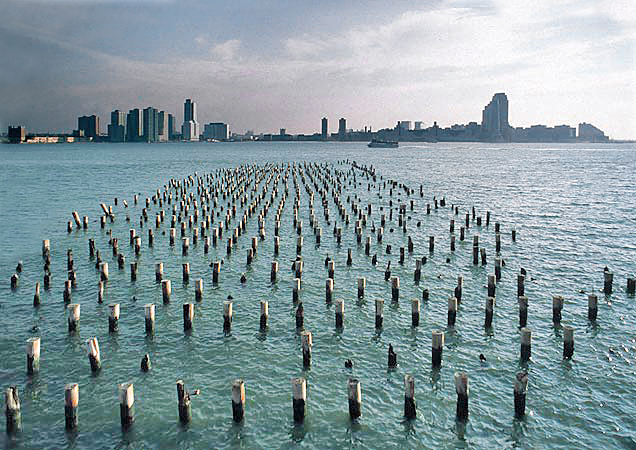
<point x="342" y="128"/>
<point x="89" y="125"/>
<point x="190" y="127"/>
<point x="325" y="128"/>
<point x="172" y="127"/>
<point x="150" y="124"/>
<point x="494" y="124"/>
<point x="117" y="126"/>
<point x="162" y="130"/>
<point x="134" y="126"/>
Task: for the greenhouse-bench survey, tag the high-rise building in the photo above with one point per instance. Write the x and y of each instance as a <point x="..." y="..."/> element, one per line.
<point x="117" y="126"/>
<point x="217" y="131"/>
<point x="589" y="132"/>
<point x="150" y="124"/>
<point x="16" y="134"/>
<point x="494" y="124"/>
<point x="418" y="125"/>
<point x="172" y="127"/>
<point x="325" y="128"/>
<point x="162" y="130"/>
<point x="342" y="128"/>
<point x="190" y="127"/>
<point x="89" y="125"/>
<point x="405" y="125"/>
<point x="134" y="126"/>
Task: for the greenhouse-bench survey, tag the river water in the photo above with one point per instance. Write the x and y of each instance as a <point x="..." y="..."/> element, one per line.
<point x="572" y="207"/>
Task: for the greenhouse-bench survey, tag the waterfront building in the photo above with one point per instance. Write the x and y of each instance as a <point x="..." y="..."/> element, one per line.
<point x="150" y="124"/>
<point x="325" y="128"/>
<point x="88" y="126"/>
<point x="216" y="131"/>
<point x="117" y="126"/>
<point x="588" y="132"/>
<point x="162" y="126"/>
<point x="404" y="125"/>
<point x="190" y="126"/>
<point x="16" y="134"/>
<point x="172" y="127"/>
<point x="494" y="124"/>
<point x="342" y="128"/>
<point x="134" y="126"/>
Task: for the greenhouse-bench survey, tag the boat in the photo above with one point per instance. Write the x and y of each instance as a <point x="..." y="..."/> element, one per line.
<point x="379" y="143"/>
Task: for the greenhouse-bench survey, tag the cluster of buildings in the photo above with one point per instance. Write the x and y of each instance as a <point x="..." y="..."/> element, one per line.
<point x="153" y="125"/>
<point x="136" y="125"/>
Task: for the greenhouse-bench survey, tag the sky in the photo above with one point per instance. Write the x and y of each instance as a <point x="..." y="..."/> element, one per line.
<point x="268" y="64"/>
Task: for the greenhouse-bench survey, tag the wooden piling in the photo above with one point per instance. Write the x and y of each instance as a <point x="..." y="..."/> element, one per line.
<point x="113" y="317"/>
<point x="461" y="387"/>
<point x="355" y="398"/>
<point x="67" y="291"/>
<point x="329" y="285"/>
<point x="166" y="290"/>
<point x="184" y="403"/>
<point x="379" y="304"/>
<point x="409" y="397"/>
<point x="631" y="286"/>
<point x="523" y="311"/>
<point x="36" y="296"/>
<point x="306" y="342"/>
<point x="33" y="355"/>
<point x="126" y="404"/>
<point x="103" y="269"/>
<point x="395" y="289"/>
<point x="526" y="344"/>
<point x="437" y="348"/>
<point x="557" y="306"/>
<point x="300" y="317"/>
<point x="186" y="272"/>
<point x="592" y="307"/>
<point x="520" y="390"/>
<point x="100" y="292"/>
<point x="73" y="317"/>
<point x="227" y="316"/>
<point x="520" y="285"/>
<point x="362" y="284"/>
<point x="238" y="400"/>
<point x="492" y="285"/>
<point x="216" y="269"/>
<point x="145" y="363"/>
<point x="198" y="290"/>
<point x="12" y="410"/>
<point x="94" y="356"/>
<point x="608" y="279"/>
<point x="71" y="402"/>
<point x="452" y="311"/>
<point x="264" y="314"/>
<point x="133" y="271"/>
<point x="149" y="313"/>
<point x="159" y="271"/>
<point x="299" y="398"/>
<point x="415" y="312"/>
<point x="188" y="316"/>
<point x="339" y="313"/>
<point x="568" y="342"/>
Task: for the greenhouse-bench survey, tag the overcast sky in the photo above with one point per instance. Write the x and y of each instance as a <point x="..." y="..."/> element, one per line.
<point x="266" y="64"/>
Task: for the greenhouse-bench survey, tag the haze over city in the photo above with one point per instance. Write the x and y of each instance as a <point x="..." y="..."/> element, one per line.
<point x="265" y="65"/>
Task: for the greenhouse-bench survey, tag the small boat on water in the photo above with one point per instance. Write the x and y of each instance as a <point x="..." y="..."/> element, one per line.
<point x="379" y="143"/>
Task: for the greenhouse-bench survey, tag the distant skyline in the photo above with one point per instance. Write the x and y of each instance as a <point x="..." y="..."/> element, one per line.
<point x="280" y="64"/>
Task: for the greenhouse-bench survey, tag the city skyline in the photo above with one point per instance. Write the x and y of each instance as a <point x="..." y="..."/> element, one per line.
<point x="374" y="65"/>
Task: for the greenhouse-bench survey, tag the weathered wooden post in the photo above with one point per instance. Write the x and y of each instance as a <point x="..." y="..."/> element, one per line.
<point x="395" y="289"/>
<point x="306" y="342"/>
<point x="557" y="306"/>
<point x="166" y="290"/>
<point x="145" y="363"/>
<point x="568" y="342"/>
<point x="33" y="355"/>
<point x="12" y="410"/>
<point x="461" y="387"/>
<point x="299" y="398"/>
<point x="355" y="398"/>
<point x="264" y="314"/>
<point x="126" y="404"/>
<point x="631" y="286"/>
<point x="339" y="313"/>
<point x="227" y="315"/>
<point x="71" y="401"/>
<point x="379" y="304"/>
<point x="520" y="285"/>
<point x="492" y="285"/>
<point x="216" y="269"/>
<point x="520" y="390"/>
<point x="409" y="397"/>
<point x="238" y="400"/>
<point x="329" y="290"/>
<point x="94" y="356"/>
<point x="73" y="317"/>
<point x="159" y="271"/>
<point x="36" y="296"/>
<point x="188" y="316"/>
<point x="523" y="310"/>
<point x="452" y="311"/>
<point x="67" y="291"/>
<point x="183" y="398"/>
<point x="437" y="348"/>
<point x="415" y="312"/>
<point x="113" y="317"/>
<point x="362" y="284"/>
<point x="526" y="344"/>
<point x="608" y="278"/>
<point x="186" y="272"/>
<point x="490" y="303"/>
<point x="103" y="268"/>
<point x="149" y="313"/>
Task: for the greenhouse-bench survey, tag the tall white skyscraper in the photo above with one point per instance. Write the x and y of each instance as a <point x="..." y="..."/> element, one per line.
<point x="190" y="127"/>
